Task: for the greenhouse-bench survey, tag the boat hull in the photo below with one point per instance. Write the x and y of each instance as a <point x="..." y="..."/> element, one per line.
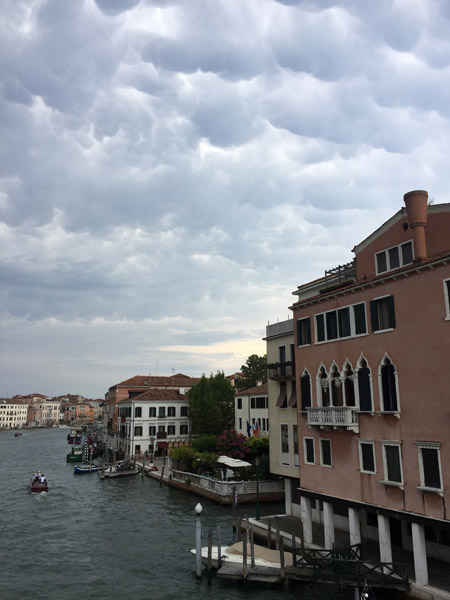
<point x="36" y="487"/>
<point x="83" y="469"/>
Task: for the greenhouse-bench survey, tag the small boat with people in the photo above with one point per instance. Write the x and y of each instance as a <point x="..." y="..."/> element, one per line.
<point x="38" y="483"/>
<point x="17" y="434"/>
<point x="85" y="468"/>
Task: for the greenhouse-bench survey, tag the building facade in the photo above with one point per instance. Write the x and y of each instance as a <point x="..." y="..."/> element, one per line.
<point x="251" y="411"/>
<point x="282" y="395"/>
<point x="13" y="414"/>
<point x="154" y="422"/>
<point x="137" y="385"/>
<point x="372" y="348"/>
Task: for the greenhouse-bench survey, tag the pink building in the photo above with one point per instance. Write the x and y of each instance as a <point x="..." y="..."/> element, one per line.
<point x="372" y="355"/>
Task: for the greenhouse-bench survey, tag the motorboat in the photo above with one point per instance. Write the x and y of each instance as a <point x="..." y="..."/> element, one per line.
<point x="264" y="557"/>
<point x="18" y="434"/>
<point x="38" y="483"/>
<point x="85" y="468"/>
<point x="75" y="455"/>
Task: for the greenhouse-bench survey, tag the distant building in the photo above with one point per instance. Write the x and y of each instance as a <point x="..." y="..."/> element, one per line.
<point x="13" y="413"/>
<point x="251" y="411"/>
<point x="135" y="386"/>
<point x="154" y="421"/>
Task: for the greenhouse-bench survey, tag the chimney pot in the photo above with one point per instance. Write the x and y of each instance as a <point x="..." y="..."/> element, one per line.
<point x="416" y="203"/>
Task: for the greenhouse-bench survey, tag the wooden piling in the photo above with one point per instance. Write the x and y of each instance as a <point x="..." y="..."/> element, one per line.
<point x="219" y="548"/>
<point x="294" y="549"/>
<point x="277" y="536"/>
<point x="244" y="555"/>
<point x="252" y="549"/>
<point x="269" y="533"/>
<point x="209" y="557"/>
<point x="239" y="529"/>
<point x="282" y="564"/>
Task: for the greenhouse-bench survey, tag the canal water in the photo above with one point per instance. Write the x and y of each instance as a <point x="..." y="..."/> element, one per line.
<point x="114" y="539"/>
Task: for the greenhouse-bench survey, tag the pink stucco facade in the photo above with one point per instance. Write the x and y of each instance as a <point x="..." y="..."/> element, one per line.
<point x="393" y="453"/>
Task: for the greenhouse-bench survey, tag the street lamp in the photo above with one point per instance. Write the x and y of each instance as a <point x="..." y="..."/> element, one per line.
<point x="198" y="541"/>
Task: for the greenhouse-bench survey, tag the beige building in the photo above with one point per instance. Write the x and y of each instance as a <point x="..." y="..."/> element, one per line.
<point x="13" y="414"/>
<point x="284" y="451"/>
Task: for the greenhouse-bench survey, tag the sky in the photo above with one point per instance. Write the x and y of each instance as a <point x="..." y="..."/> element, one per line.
<point x="172" y="170"/>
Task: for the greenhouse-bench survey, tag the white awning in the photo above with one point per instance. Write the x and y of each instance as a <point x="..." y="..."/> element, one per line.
<point x="233" y="463"/>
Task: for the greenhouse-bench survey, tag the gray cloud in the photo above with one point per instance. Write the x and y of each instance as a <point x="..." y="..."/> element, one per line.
<point x="171" y="171"/>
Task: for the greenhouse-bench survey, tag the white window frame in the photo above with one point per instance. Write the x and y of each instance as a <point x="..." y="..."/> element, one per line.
<point x="305" y="454"/>
<point x="386" y="481"/>
<point x="446" y="284"/>
<point x="361" y="462"/>
<point x="433" y="446"/>
<point x="400" y="254"/>
<point x="321" y="452"/>
<point x="353" y="333"/>
<point x="284" y="455"/>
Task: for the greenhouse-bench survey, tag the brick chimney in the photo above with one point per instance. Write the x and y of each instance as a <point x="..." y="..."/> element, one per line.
<point x="416" y="203"/>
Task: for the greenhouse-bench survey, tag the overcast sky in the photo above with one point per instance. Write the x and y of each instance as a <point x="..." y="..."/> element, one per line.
<point x="171" y="170"/>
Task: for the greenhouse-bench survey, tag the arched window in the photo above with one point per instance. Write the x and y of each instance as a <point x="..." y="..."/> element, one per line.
<point x="364" y="386"/>
<point x="336" y="386"/>
<point x="388" y="374"/>
<point x="305" y="390"/>
<point x="349" y="385"/>
<point x="323" y="387"/>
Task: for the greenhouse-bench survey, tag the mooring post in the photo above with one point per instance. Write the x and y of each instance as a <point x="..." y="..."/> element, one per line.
<point x="282" y="565"/>
<point x="209" y="557"/>
<point x="234" y="504"/>
<point x="294" y="549"/>
<point x="219" y="548"/>
<point x="244" y="555"/>
<point x="269" y="533"/>
<point x="198" y="541"/>
<point x="277" y="536"/>
<point x="239" y="529"/>
<point x="252" y="549"/>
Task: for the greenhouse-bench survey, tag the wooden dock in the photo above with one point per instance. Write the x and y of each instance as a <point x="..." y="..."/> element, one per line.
<point x="114" y="474"/>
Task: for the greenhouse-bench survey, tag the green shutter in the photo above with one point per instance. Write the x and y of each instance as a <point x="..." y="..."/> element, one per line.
<point x="391" y="311"/>
<point x="374" y="315"/>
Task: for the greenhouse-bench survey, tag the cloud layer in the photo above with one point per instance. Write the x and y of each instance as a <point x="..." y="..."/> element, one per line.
<point x="170" y="171"/>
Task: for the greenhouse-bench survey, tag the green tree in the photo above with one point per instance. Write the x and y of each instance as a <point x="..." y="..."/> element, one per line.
<point x="253" y="372"/>
<point x="211" y="405"/>
<point x="205" y="443"/>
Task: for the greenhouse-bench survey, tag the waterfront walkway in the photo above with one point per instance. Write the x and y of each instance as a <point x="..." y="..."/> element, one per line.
<point x="438" y="571"/>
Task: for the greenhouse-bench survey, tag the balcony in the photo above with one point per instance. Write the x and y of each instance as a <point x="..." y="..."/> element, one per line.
<point x="282" y="371"/>
<point x="334" y="417"/>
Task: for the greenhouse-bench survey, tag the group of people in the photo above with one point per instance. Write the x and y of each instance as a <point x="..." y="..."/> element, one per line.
<point x="39" y="477"/>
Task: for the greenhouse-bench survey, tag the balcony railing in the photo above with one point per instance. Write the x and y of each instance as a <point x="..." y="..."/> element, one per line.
<point x="336" y="417"/>
<point x="281" y="371"/>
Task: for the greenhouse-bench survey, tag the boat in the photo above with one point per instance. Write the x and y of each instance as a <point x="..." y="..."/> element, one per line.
<point x="38" y="483"/>
<point x="75" y="455"/>
<point x="264" y="557"/>
<point x="85" y="468"/>
<point x="18" y="434"/>
<point x="75" y="436"/>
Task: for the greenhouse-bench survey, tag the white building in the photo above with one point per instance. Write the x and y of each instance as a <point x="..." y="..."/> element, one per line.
<point x="251" y="410"/>
<point x="154" y="421"/>
<point x="13" y="414"/>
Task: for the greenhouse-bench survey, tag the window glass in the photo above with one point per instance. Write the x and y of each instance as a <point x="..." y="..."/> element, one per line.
<point x="344" y="322"/>
<point x="331" y="321"/>
<point x="320" y="324"/>
<point x="309" y="451"/>
<point x="325" y="448"/>
<point x="393" y="466"/>
<point x="381" y="262"/>
<point x="305" y="390"/>
<point x="394" y="258"/>
<point x="367" y="457"/>
<point x="407" y="254"/>
<point x="431" y="471"/>
<point x="284" y="439"/>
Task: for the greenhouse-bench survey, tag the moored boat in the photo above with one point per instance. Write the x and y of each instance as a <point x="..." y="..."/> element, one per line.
<point x="38" y="483"/>
<point x="75" y="455"/>
<point x="85" y="468"/>
<point x="264" y="557"/>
